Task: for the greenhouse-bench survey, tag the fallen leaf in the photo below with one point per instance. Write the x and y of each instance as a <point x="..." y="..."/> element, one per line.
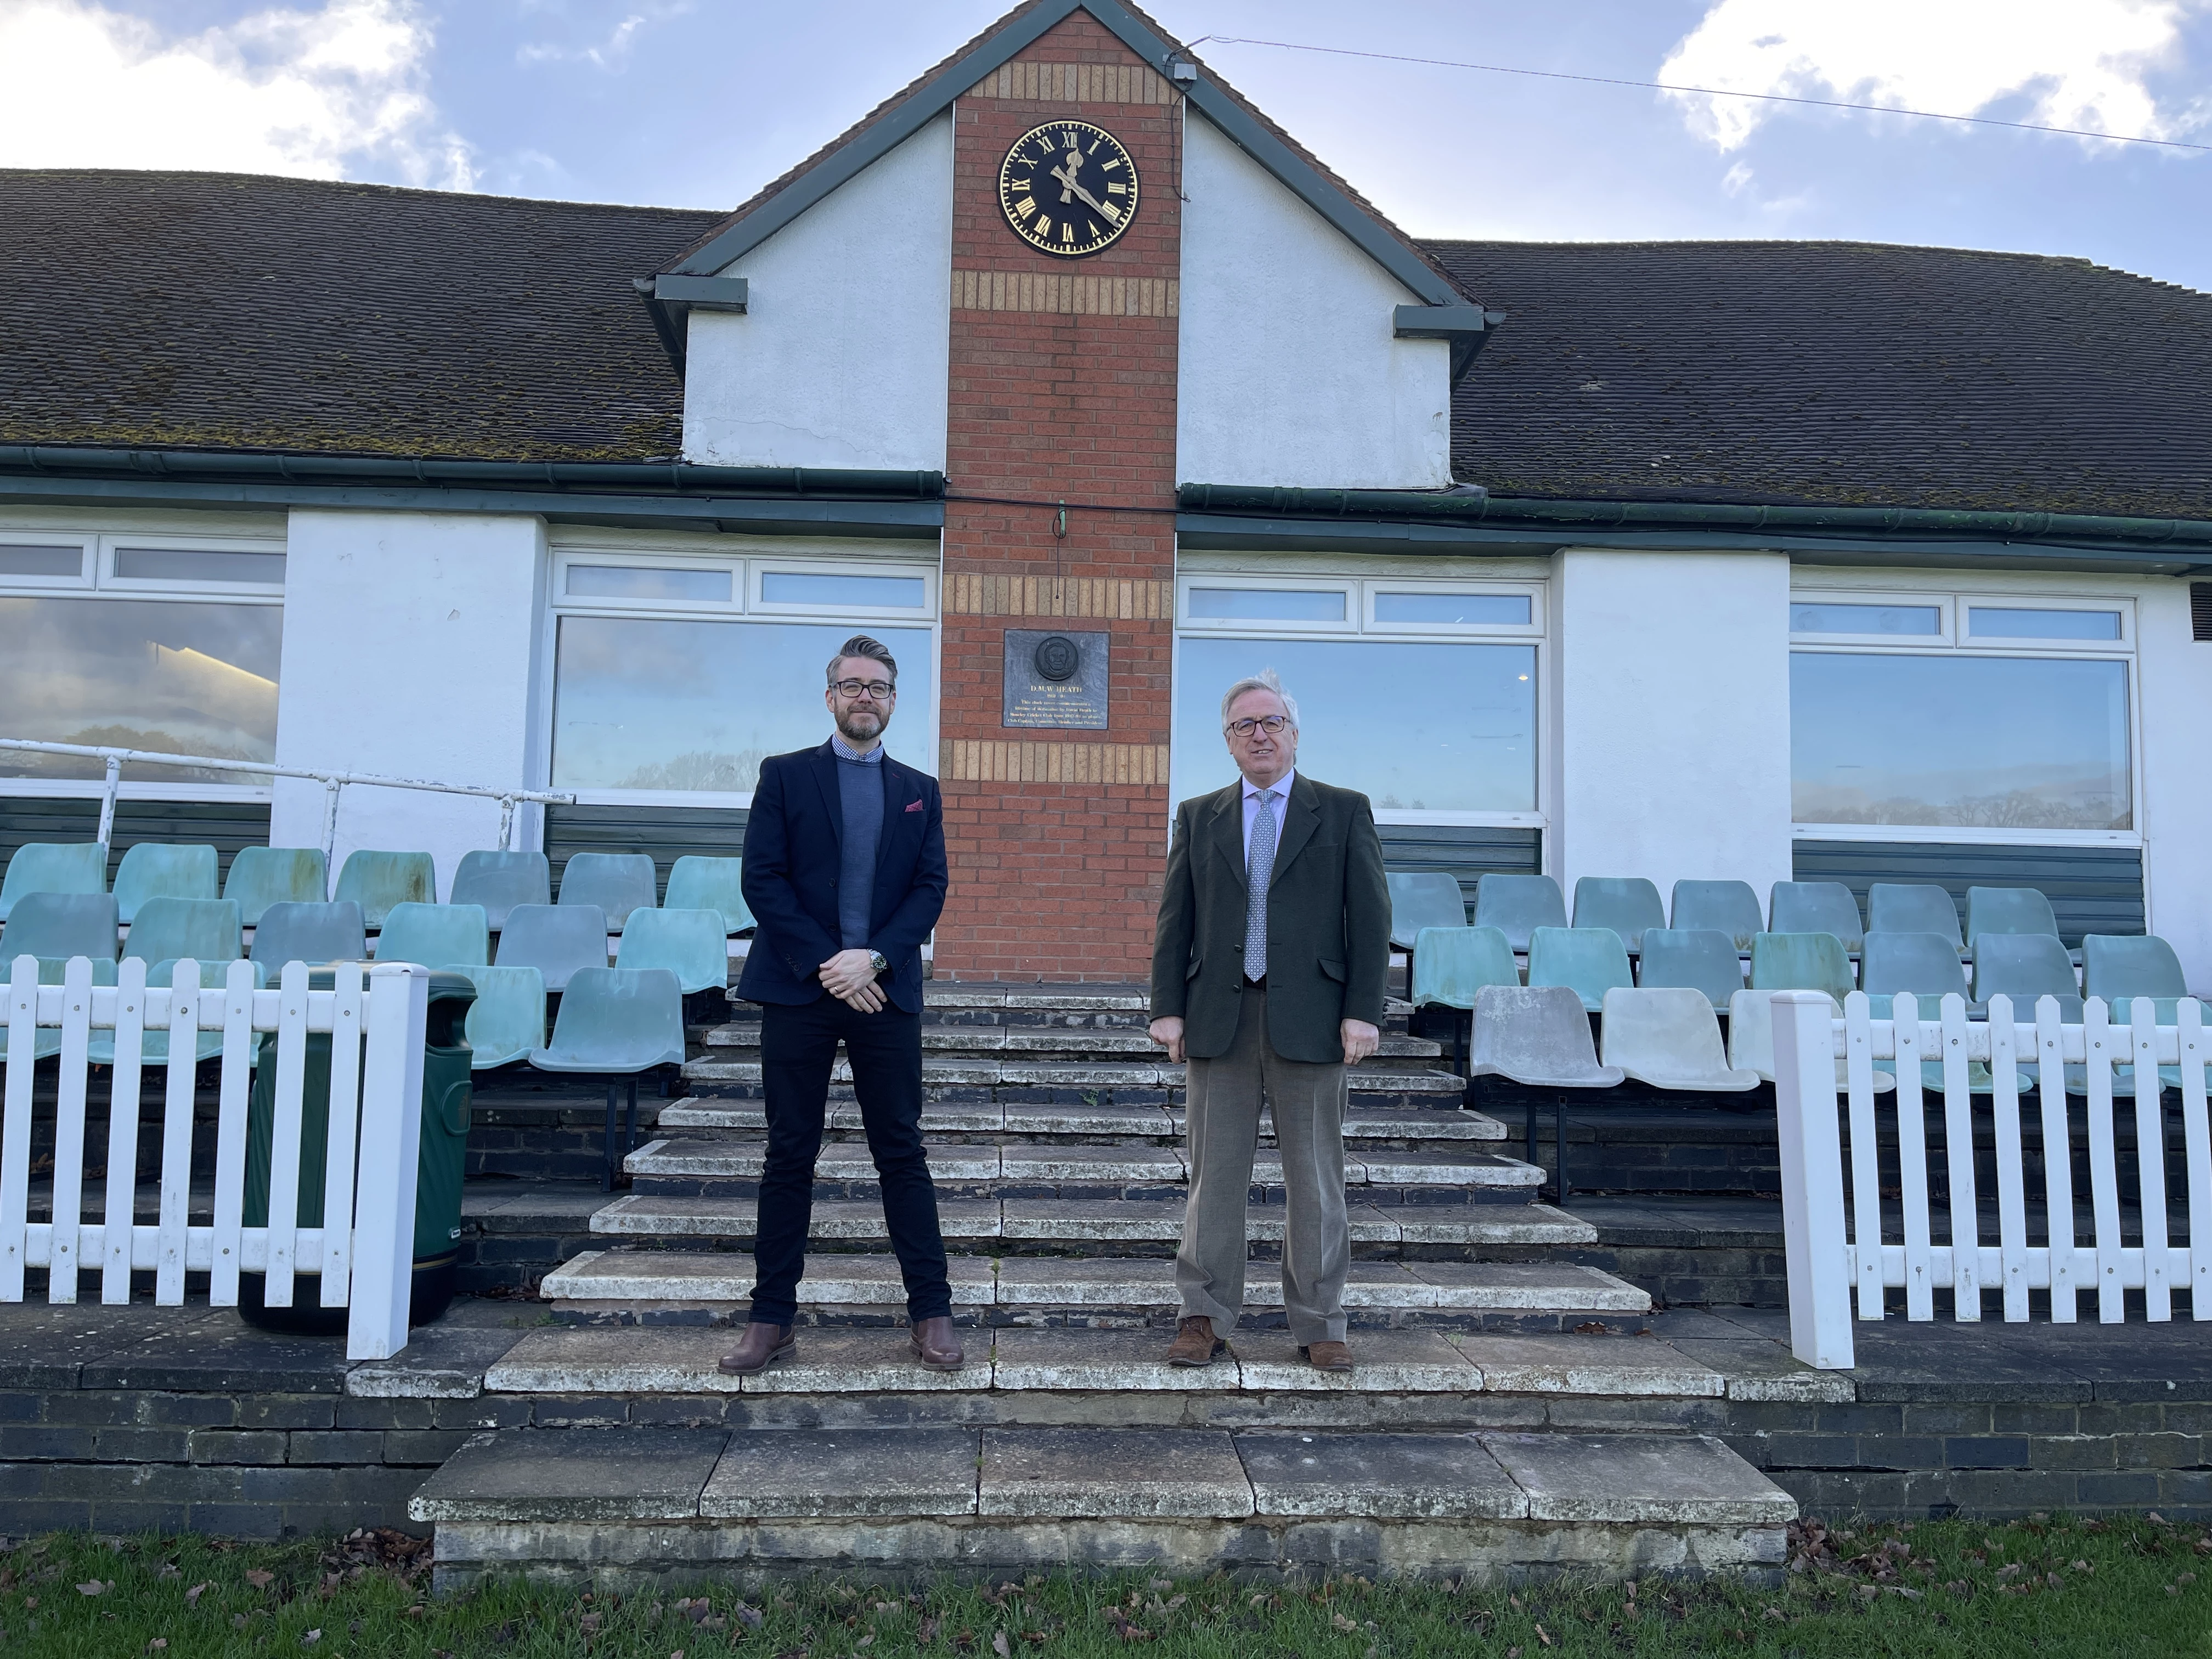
<point x="589" y="1623"/>
<point x="867" y="1641"/>
<point x="1543" y="1636"/>
<point x="1512" y="1653"/>
<point x="92" y="1586"/>
<point x="193" y="1595"/>
<point x="927" y="1632"/>
<point x="1339" y="1622"/>
<point x="259" y="1579"/>
<point x="159" y="1645"/>
<point x="418" y="1610"/>
<point x="311" y="1638"/>
<point x="169" y="1569"/>
<point x="999" y="1644"/>
<point x="748" y="1617"/>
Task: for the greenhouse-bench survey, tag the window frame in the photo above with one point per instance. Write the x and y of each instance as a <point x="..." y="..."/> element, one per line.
<point x="1957" y="602"/>
<point x="96" y="583"/>
<point x="1361" y="625"/>
<point x="747" y="565"/>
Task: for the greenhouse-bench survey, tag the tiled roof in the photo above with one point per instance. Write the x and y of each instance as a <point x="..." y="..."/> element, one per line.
<point x="1835" y="373"/>
<point x="221" y="311"/>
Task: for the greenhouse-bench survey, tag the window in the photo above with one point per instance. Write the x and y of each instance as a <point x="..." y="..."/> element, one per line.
<point x="135" y="654"/>
<point x="1876" y="620"/>
<point x="667" y="681"/>
<point x="2022" y="728"/>
<point x="1420" y="694"/>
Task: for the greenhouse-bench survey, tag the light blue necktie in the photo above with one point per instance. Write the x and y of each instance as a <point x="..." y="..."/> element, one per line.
<point x="1258" y="864"/>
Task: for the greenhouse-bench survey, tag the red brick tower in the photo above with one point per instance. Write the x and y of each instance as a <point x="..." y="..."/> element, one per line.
<point x="1063" y="388"/>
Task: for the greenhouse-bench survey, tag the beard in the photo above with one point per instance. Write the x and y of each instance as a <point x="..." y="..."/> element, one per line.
<point x="860" y="725"/>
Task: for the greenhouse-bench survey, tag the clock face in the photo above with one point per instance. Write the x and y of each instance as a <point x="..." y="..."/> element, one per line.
<point x="1068" y="188"/>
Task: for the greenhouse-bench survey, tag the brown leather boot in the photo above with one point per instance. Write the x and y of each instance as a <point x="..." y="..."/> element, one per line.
<point x="760" y="1347"/>
<point x="937" y="1344"/>
<point x="1327" y="1356"/>
<point x="1195" y="1343"/>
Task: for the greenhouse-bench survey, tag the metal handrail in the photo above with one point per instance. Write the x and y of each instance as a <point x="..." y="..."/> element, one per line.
<point x="333" y="783"/>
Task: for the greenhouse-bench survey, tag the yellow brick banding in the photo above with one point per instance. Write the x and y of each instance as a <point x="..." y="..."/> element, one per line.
<point x="1082" y="296"/>
<point x="968" y="761"/>
<point x="977" y="593"/>
<point x="1076" y="84"/>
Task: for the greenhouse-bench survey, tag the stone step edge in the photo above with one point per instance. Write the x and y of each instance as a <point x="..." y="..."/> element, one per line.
<point x="1443" y="1123"/>
<point x="610" y="1275"/>
<point x="643" y="1475"/>
<point x="1102" y="1073"/>
<point x="1044" y="1039"/>
<point x="1532" y="1224"/>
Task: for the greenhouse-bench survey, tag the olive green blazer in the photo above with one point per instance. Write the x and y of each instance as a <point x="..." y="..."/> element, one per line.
<point x="1329" y="923"/>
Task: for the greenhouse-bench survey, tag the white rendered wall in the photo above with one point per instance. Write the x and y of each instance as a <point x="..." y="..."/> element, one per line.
<point x="1671" y="723"/>
<point x="1289" y="372"/>
<point x="2176" y="749"/>
<point x="842" y="357"/>
<point x="412" y="648"/>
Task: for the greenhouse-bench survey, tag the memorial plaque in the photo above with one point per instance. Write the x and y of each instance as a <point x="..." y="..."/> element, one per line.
<point x="1055" y="678"/>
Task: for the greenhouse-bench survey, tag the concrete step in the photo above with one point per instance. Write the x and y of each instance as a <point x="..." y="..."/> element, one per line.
<point x="1089" y="1041"/>
<point x="1049" y="1223"/>
<point x="625" y="1282"/>
<point x="1378" y="1080"/>
<point x="629" y="1507"/>
<point x="1483" y="1177"/>
<point x="1078" y="1118"/>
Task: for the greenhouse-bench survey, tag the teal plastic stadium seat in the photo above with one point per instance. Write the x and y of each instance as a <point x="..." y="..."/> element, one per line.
<point x="1669" y="1037"/>
<point x="508" y="1020"/>
<point x="152" y="870"/>
<point x="435" y="935"/>
<point x="616" y="1021"/>
<point x="1731" y="907"/>
<point x="1518" y="905"/>
<point x="2115" y="965"/>
<point x="2024" y="966"/>
<point x="1451" y="964"/>
<point x="1423" y="898"/>
<point x="48" y="1041"/>
<point x="701" y="883"/>
<point x="1538" y="1036"/>
<point x="2009" y="910"/>
<point x="559" y="940"/>
<point x="1815" y="907"/>
<point x="154" y="1046"/>
<point x="1800" y="961"/>
<point x="206" y="930"/>
<point x="617" y="883"/>
<point x="263" y="876"/>
<point x="312" y="933"/>
<point x="1702" y="958"/>
<point x="1751" y="1040"/>
<point x="692" y="945"/>
<point x="500" y="881"/>
<point x="1928" y="966"/>
<point x="60" y="925"/>
<point x="1913" y="906"/>
<point x="1627" y="904"/>
<point x="379" y="881"/>
<point x="53" y="867"/>
<point x="1588" y="961"/>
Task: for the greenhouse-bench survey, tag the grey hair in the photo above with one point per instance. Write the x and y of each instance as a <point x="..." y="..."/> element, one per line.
<point x="874" y="650"/>
<point x="1266" y="680"/>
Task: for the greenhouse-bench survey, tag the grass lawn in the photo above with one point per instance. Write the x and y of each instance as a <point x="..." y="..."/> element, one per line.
<point x="2125" y="1586"/>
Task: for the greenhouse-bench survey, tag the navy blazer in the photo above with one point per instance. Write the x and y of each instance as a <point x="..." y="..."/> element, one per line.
<point x="793" y="856"/>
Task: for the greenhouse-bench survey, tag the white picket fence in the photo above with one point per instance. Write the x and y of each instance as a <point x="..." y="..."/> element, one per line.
<point x="375" y="1017"/>
<point x="1829" y="1261"/>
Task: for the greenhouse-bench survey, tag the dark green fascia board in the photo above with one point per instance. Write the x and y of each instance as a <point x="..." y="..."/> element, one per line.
<point x="1467" y="327"/>
<point x="933" y="99"/>
<point x="702" y="293"/>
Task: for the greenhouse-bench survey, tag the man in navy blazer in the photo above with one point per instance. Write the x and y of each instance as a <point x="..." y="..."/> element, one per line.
<point x="844" y="869"/>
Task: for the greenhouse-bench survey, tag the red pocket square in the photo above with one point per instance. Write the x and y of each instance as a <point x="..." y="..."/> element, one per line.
<point x="914" y="806"/>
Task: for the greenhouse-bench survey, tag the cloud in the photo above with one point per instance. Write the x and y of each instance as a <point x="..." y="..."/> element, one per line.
<point x="2080" y="64"/>
<point x="612" y="54"/>
<point x="329" y="93"/>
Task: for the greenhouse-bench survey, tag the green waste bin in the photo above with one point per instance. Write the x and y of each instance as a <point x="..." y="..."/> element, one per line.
<point x="446" y="1105"/>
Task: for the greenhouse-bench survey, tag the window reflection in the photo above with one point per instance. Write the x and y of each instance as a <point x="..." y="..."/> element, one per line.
<point x="840" y="592"/>
<point x="1411" y="726"/>
<point x="1495" y="609"/>
<point x="1866" y="619"/>
<point x="626" y="581"/>
<point x="1981" y="742"/>
<point x="195" y="679"/>
<point x="645" y="704"/>
<point x="1267" y="604"/>
<point x="2004" y="622"/>
<point x="23" y="559"/>
<point x="193" y="564"/>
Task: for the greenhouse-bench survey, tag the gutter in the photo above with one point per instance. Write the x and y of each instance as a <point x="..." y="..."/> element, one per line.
<point x="1468" y="515"/>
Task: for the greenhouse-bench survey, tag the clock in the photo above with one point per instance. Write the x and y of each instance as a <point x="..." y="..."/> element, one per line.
<point x="1068" y="188"/>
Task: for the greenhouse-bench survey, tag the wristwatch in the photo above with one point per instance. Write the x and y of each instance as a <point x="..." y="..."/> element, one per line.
<point x="878" y="961"/>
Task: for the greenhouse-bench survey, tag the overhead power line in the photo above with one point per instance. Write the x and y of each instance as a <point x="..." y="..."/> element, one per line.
<point x="1703" y="92"/>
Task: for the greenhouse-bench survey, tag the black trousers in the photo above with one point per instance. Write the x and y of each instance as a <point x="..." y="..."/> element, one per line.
<point x="799" y="1046"/>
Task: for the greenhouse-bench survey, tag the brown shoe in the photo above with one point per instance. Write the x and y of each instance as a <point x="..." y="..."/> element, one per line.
<point x="1327" y="1356"/>
<point x="760" y="1347"/>
<point x="937" y="1344"/>
<point x="1196" y="1344"/>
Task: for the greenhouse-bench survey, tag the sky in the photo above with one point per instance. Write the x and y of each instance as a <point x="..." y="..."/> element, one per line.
<point x="696" y="103"/>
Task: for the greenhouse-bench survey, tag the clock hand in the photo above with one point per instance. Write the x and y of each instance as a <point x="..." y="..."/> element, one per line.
<point x="1068" y="179"/>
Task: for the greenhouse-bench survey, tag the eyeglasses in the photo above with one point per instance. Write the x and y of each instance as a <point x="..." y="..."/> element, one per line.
<point x="878" y="690"/>
<point x="1270" y="724"/>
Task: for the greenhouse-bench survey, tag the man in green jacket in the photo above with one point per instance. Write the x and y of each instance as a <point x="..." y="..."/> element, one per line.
<point x="1267" y="978"/>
